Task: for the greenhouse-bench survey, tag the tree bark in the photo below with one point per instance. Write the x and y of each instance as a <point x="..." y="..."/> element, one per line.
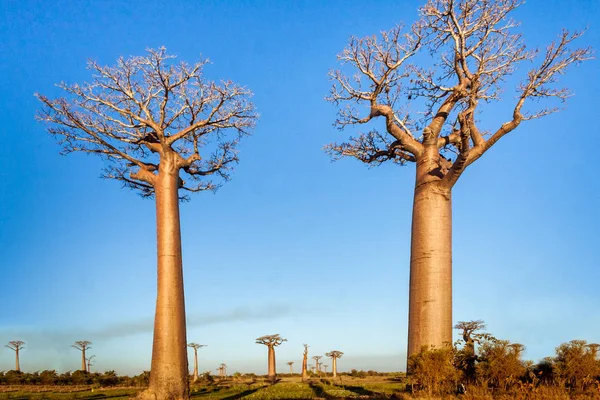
<point x="195" y="365"/>
<point x="17" y="366"/>
<point x="83" y="367"/>
<point x="169" y="370"/>
<point x="272" y="372"/>
<point x="334" y="366"/>
<point x="430" y="302"/>
<point x="305" y="367"/>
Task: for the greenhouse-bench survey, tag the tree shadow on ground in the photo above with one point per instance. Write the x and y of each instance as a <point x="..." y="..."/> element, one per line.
<point x="319" y="391"/>
<point x="242" y="394"/>
<point x="359" y="390"/>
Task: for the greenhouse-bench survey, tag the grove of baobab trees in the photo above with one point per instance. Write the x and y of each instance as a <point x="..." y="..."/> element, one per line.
<point x="150" y="119"/>
<point x="271" y="341"/>
<point x="83" y="345"/>
<point x="16" y="346"/>
<point x="430" y="115"/>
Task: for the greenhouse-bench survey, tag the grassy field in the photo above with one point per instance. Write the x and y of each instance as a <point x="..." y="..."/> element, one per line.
<point x="375" y="387"/>
<point x="286" y="388"/>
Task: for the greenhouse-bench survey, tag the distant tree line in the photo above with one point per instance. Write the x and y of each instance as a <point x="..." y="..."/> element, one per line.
<point x="51" y="377"/>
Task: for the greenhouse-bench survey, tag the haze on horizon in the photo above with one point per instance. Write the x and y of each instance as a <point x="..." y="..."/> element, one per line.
<point x="315" y="251"/>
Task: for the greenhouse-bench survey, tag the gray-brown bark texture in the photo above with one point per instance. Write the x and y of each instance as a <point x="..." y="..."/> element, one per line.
<point x="305" y="363"/>
<point x="430" y="119"/>
<point x="151" y="119"/>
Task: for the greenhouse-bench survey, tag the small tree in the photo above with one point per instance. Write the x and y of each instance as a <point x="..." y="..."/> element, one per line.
<point x="334" y="355"/>
<point x="577" y="363"/>
<point x="433" y="370"/>
<point x="271" y="341"/>
<point x="16" y="346"/>
<point x="196" y="346"/>
<point x="290" y="363"/>
<point x="499" y="363"/>
<point x="82" y="346"/>
<point x="305" y="363"/>
<point x="429" y="115"/>
<point x="466" y="358"/>
<point x="89" y="363"/>
<point x="151" y="120"/>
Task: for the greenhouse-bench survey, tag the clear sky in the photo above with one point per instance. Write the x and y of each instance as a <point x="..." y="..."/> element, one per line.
<point x="315" y="251"/>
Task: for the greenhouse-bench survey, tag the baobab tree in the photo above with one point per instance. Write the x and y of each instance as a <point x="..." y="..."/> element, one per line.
<point x="223" y="370"/>
<point x="16" y="346"/>
<point x="317" y="365"/>
<point x="196" y="346"/>
<point x="334" y="355"/>
<point x="290" y="363"/>
<point x="467" y="357"/>
<point x="305" y="363"/>
<point x="89" y="363"/>
<point x="151" y="119"/>
<point x="82" y="345"/>
<point x="324" y="368"/>
<point x="271" y="341"/>
<point x="429" y="115"/>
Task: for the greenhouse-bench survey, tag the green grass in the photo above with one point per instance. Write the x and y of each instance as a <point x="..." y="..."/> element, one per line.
<point x="113" y="394"/>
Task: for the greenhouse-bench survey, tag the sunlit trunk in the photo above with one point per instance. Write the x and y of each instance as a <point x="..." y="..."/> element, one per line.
<point x="83" y="367"/>
<point x="304" y="367"/>
<point x="17" y="366"/>
<point x="195" y="365"/>
<point x="430" y="303"/>
<point x="334" y="366"/>
<point x="272" y="372"/>
<point x="169" y="371"/>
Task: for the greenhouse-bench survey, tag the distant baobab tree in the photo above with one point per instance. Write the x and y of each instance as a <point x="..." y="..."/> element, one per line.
<point x="430" y="113"/>
<point x="150" y="119"/>
<point x="271" y="341"/>
<point x="467" y="357"/>
<point x="16" y="346"/>
<point x="82" y="346"/>
<point x="305" y="363"/>
<point x="290" y="363"/>
<point x="196" y="346"/>
<point x="222" y="370"/>
<point x="317" y="364"/>
<point x="334" y="355"/>
<point x="89" y="363"/>
<point x="324" y="368"/>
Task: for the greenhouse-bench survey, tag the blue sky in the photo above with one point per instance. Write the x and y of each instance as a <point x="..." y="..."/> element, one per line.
<point x="315" y="251"/>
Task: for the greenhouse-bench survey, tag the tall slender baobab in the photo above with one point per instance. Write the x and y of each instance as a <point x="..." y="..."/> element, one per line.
<point x="16" y="346"/>
<point x="429" y="115"/>
<point x="290" y="363"/>
<point x="305" y="363"/>
<point x="82" y="345"/>
<point x="334" y="355"/>
<point x="223" y="370"/>
<point x="317" y="364"/>
<point x="89" y="363"/>
<point x="151" y="119"/>
<point x="196" y="346"/>
<point x="271" y="341"/>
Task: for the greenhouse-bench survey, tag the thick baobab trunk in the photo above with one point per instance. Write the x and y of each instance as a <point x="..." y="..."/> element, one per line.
<point x="169" y="371"/>
<point x="83" y="365"/>
<point x="17" y="366"/>
<point x="430" y="303"/>
<point x="272" y="372"/>
<point x="195" y="365"/>
<point x="334" y="366"/>
<point x="305" y="367"/>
